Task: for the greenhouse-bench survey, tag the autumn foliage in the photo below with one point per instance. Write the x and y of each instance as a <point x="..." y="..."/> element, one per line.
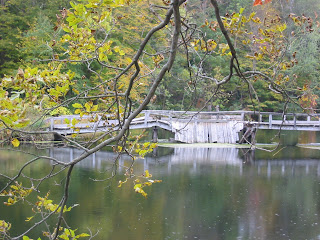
<point x="260" y="2"/>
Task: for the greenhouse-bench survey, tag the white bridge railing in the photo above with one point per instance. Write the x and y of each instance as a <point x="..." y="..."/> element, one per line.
<point x="164" y="119"/>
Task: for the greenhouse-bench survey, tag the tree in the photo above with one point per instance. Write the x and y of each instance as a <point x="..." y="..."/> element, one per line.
<point x="120" y="83"/>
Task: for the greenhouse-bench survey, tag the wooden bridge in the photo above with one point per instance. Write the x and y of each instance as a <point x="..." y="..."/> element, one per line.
<point x="193" y="127"/>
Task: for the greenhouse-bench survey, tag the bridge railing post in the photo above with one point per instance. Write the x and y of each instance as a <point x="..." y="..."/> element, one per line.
<point x="294" y="120"/>
<point x="270" y="120"/>
<point x="242" y="116"/>
<point x="96" y="124"/>
<point x="146" y="117"/>
<point x="51" y="123"/>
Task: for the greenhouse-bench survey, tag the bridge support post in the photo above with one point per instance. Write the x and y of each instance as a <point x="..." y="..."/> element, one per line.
<point x="249" y="134"/>
<point x="155" y="134"/>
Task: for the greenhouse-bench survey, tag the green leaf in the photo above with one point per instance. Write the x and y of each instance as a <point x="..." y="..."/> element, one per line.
<point x="22" y="123"/>
<point x="6" y="120"/>
<point x="103" y="57"/>
<point x="72" y="4"/>
<point x="54" y="92"/>
<point x="66" y="30"/>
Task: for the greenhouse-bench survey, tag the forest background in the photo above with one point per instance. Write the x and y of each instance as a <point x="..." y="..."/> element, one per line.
<point x="27" y="27"/>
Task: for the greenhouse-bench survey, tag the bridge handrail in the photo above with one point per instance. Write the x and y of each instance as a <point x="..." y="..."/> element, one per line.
<point x="172" y="113"/>
<point x="167" y="112"/>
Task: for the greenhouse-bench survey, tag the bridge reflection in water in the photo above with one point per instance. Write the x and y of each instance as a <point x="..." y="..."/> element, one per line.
<point x="193" y="158"/>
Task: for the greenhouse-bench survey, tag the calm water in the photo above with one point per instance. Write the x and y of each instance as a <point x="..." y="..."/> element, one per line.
<point x="205" y="194"/>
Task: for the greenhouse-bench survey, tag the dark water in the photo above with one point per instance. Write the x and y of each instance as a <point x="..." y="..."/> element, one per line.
<point x="205" y="194"/>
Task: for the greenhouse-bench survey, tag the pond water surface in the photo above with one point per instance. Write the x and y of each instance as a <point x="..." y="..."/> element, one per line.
<point x="206" y="193"/>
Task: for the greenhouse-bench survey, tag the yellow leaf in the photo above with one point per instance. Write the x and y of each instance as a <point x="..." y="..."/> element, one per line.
<point x="15" y="142"/>
<point x="140" y="190"/>
<point x="29" y="218"/>
<point x="211" y="44"/>
<point x="251" y="57"/>
<point x="94" y="108"/>
<point x="82" y="235"/>
<point x="128" y="60"/>
<point x="147" y="174"/>
<point x="148" y="183"/>
<point x="121" y="86"/>
<point x="78" y="111"/>
<point x="120" y="182"/>
<point x="88" y="106"/>
<point x="146" y="144"/>
<point x="77" y="105"/>
<point x="74" y="121"/>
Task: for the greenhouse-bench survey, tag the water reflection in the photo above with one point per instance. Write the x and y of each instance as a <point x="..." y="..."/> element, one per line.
<point x="193" y="157"/>
<point x="207" y="193"/>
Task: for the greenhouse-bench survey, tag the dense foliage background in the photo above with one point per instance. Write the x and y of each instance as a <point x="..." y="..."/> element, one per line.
<point x="28" y="26"/>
